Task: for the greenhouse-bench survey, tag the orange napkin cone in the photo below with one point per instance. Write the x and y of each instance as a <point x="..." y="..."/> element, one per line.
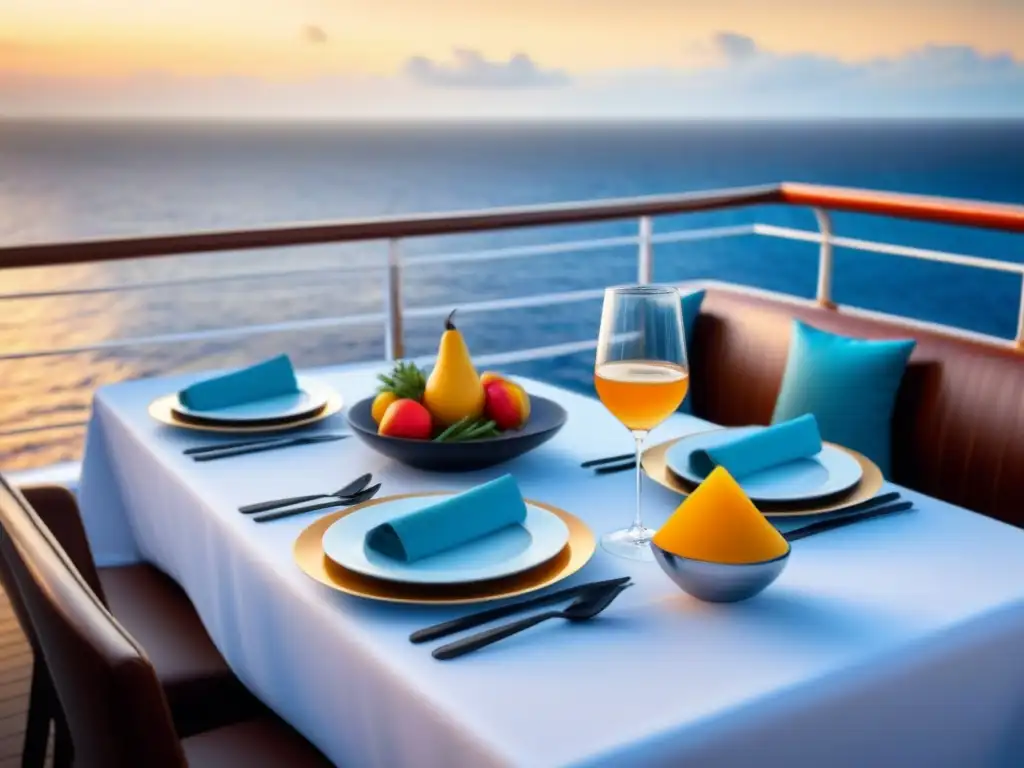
<point x="720" y="524"/>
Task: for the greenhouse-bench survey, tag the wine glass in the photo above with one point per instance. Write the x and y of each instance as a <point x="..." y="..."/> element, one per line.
<point x="641" y="376"/>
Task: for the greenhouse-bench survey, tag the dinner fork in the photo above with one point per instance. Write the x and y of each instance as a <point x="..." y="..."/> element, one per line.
<point x="585" y="607"/>
<point x="346" y="490"/>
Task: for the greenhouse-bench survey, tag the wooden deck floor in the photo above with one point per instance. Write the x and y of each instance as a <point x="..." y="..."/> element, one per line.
<point x="15" y="676"/>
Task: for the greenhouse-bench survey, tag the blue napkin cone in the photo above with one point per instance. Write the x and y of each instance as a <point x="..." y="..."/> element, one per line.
<point x="271" y="378"/>
<point x="798" y="438"/>
<point x="450" y="523"/>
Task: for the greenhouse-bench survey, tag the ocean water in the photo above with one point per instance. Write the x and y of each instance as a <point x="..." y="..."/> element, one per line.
<point x="67" y="181"/>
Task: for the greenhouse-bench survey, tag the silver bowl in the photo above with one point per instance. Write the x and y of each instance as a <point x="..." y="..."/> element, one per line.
<point x="719" y="582"/>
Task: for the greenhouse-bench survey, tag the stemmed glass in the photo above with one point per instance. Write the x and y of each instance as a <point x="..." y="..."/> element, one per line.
<point x="641" y="376"/>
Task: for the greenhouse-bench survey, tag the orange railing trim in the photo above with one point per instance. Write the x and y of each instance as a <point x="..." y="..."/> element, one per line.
<point x="970" y="213"/>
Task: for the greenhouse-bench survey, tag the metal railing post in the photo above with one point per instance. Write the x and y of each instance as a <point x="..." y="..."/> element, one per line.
<point x="645" y="256"/>
<point x="394" y="341"/>
<point x="824" y="296"/>
<point x="1020" y="317"/>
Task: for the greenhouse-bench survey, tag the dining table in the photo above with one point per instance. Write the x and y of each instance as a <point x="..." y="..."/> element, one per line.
<point x="893" y="642"/>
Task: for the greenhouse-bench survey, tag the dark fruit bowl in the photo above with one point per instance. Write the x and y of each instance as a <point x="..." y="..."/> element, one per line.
<point x="546" y="418"/>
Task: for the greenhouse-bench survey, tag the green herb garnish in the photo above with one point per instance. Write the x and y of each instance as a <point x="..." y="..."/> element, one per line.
<point x="467" y="429"/>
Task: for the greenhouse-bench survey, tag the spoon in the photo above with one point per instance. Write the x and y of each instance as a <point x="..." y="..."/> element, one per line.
<point x="346" y="490"/>
<point x="585" y="607"/>
<point x="348" y="501"/>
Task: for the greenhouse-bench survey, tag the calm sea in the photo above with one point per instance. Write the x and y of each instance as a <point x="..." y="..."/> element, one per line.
<point x="70" y="181"/>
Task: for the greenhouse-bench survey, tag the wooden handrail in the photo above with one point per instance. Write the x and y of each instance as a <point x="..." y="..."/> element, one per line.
<point x="944" y="210"/>
<point x="971" y="213"/>
<point x="117" y="249"/>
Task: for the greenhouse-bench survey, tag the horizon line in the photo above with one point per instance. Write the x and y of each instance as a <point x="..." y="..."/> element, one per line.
<point x="502" y="120"/>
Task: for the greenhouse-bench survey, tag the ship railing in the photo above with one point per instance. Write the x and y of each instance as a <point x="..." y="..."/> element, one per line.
<point x="396" y="230"/>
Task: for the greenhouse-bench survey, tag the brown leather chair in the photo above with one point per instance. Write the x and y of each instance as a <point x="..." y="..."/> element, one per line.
<point x="43" y="707"/>
<point x="117" y="713"/>
<point x="202" y="691"/>
<point x="958" y="429"/>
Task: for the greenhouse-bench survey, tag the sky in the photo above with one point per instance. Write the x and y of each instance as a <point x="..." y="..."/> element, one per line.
<point x="621" y="59"/>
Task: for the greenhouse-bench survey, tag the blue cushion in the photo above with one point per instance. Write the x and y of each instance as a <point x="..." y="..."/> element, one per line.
<point x="691" y="308"/>
<point x="849" y="385"/>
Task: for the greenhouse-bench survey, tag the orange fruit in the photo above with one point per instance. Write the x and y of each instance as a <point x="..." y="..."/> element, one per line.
<point x="380" y="405"/>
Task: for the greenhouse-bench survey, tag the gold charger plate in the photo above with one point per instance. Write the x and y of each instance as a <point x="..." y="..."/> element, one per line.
<point x="162" y="409"/>
<point x="309" y="555"/>
<point x="653" y="463"/>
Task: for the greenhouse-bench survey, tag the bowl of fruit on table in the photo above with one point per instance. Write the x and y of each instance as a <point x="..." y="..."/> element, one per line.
<point x="453" y="419"/>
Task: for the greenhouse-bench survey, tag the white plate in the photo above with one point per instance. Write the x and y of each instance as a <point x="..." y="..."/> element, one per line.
<point x="828" y="472"/>
<point x="506" y="552"/>
<point x="311" y="397"/>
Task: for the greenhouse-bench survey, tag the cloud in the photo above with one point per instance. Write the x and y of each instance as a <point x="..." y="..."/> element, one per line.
<point x="470" y="69"/>
<point x="742" y="60"/>
<point x="734" y="46"/>
<point x="743" y="78"/>
<point x="314" y="34"/>
<point x="739" y="78"/>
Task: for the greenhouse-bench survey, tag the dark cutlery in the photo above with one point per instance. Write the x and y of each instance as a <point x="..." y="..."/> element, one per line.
<point x="347" y="490"/>
<point x="607" y="460"/>
<point x="267" y="446"/>
<point x="853" y="509"/>
<point x="493" y="614"/>
<point x="863" y="506"/>
<point x="839" y="522"/>
<point x="607" y="470"/>
<point x="320" y="437"/>
<point x="585" y="607"/>
<point x="351" y="501"/>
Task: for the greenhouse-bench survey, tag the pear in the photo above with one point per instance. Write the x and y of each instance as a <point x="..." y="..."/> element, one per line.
<point x="453" y="390"/>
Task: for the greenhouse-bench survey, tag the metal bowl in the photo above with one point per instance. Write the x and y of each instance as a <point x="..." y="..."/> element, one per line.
<point x="719" y="582"/>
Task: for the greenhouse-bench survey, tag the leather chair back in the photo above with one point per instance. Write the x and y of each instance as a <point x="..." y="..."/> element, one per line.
<point x="10" y="587"/>
<point x="115" y="706"/>
<point x="958" y="428"/>
<point x="57" y="509"/>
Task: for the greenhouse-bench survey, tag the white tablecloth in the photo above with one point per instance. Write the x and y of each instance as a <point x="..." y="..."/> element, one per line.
<point x="893" y="643"/>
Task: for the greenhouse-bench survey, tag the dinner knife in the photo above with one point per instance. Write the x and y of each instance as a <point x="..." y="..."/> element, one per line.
<point x="493" y="614"/>
<point x="319" y="437"/>
<point x="608" y="460"/>
<point x="853" y="509"/>
<point x="267" y="446"/>
<point x="840" y="522"/>
<point x="612" y="468"/>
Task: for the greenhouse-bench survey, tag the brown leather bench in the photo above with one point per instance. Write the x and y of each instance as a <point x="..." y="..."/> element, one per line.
<point x="958" y="429"/>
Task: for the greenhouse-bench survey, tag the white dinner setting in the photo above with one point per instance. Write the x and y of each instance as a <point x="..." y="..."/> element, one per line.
<point x="441" y="566"/>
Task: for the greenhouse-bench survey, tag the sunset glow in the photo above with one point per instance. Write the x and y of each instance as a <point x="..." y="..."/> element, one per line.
<point x="101" y="42"/>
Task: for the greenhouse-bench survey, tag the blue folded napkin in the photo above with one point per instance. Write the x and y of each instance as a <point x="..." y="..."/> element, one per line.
<point x="271" y="378"/>
<point x="768" y="447"/>
<point x="450" y="523"/>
